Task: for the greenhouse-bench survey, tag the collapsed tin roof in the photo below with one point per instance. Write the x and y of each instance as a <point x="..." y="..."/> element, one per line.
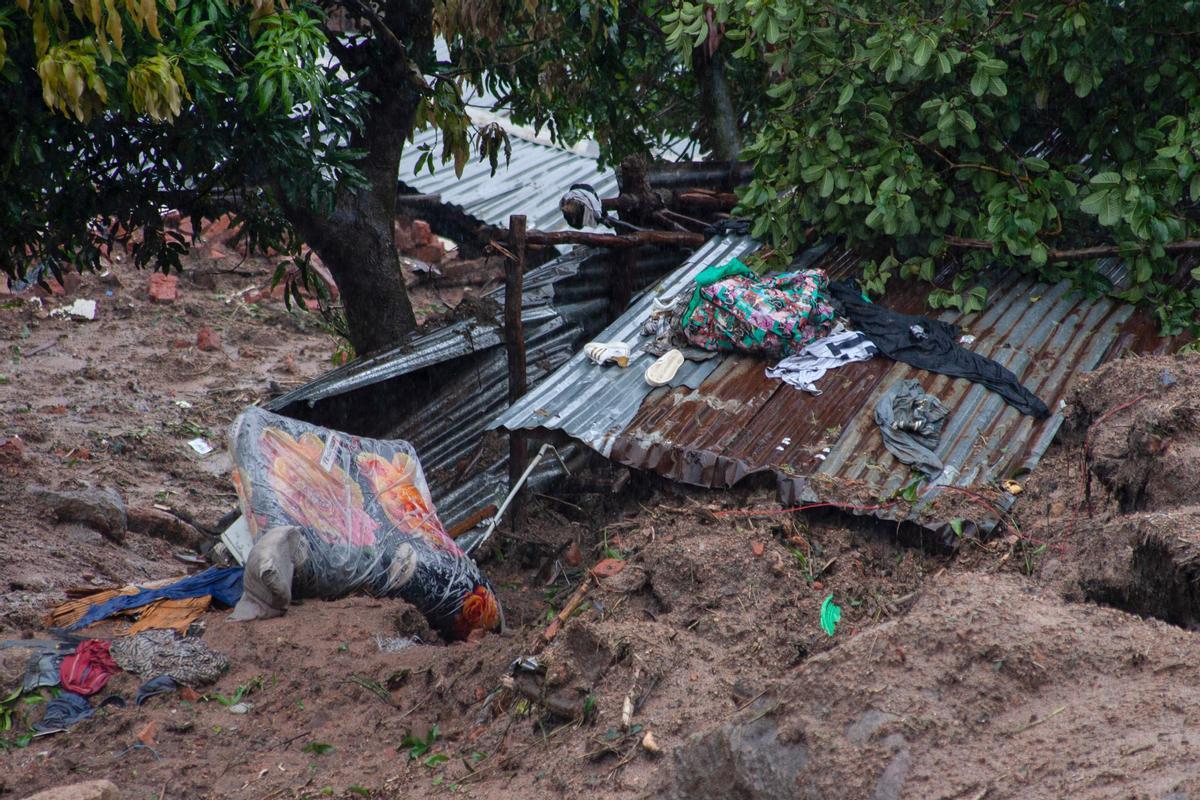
<point x="530" y="183"/>
<point x="728" y="420"/>
<point x="441" y="390"/>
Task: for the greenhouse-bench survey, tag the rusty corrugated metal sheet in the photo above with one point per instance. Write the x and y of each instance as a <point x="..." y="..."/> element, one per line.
<point x="738" y="422"/>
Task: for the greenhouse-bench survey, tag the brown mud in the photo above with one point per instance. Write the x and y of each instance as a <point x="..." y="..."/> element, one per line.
<point x="1055" y="660"/>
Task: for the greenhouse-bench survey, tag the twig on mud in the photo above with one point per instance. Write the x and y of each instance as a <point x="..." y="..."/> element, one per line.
<point x="39" y="349"/>
<point x="558" y="500"/>
<point x="1037" y="722"/>
<point x="499" y="759"/>
<point x="749" y="702"/>
<point x="285" y="743"/>
<point x="1084" y="494"/>
<point x="371" y="686"/>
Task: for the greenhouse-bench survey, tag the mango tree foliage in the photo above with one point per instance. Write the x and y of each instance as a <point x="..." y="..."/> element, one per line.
<point x="294" y="117"/>
<point x="999" y="132"/>
<point x="112" y="111"/>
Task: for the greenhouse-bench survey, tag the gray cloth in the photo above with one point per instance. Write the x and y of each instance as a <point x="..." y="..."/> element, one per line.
<point x="911" y="423"/>
<point x="664" y="329"/>
<point x="581" y="206"/>
<point x="153" y="653"/>
<point x="44" y="670"/>
<point x="270" y="568"/>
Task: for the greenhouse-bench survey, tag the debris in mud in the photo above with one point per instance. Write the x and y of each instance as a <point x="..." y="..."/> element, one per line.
<point x="100" y="509"/>
<point x="738" y="759"/>
<point x="88" y="790"/>
<point x="1141" y="433"/>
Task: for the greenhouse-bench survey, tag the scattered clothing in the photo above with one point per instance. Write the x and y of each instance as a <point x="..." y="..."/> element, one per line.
<point x="163" y="684"/>
<point x="664" y="326"/>
<point x="64" y="711"/>
<point x="805" y="368"/>
<point x="581" y="206"/>
<point x="931" y="345"/>
<point x="911" y="423"/>
<point x="87" y="669"/>
<point x="733" y="309"/>
<point x="178" y="614"/>
<point x="45" y="669"/>
<point x="223" y="584"/>
<point x="70" y="709"/>
<point x="152" y="654"/>
<point x="42" y="659"/>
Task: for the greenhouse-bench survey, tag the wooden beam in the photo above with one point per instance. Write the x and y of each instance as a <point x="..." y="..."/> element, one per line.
<point x="1077" y="254"/>
<point x="617" y="240"/>
<point x="514" y="339"/>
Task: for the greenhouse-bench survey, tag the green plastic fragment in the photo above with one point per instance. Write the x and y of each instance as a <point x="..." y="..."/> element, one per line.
<point x="831" y="613"/>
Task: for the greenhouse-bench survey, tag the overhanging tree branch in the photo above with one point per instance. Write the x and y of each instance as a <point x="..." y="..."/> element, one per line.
<point x="1076" y="254"/>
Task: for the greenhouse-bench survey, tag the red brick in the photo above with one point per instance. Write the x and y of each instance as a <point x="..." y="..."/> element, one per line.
<point x="402" y="237"/>
<point x="608" y="567"/>
<point x="72" y="281"/>
<point x="216" y="229"/>
<point x="163" y="288"/>
<point x="421" y="232"/>
<point x="56" y="288"/>
<point x="429" y="253"/>
<point x="12" y="450"/>
<point x="208" y="339"/>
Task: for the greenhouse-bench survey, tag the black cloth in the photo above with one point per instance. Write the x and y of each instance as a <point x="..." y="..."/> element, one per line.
<point x="931" y="345"/>
<point x="729" y="227"/>
<point x="163" y="684"/>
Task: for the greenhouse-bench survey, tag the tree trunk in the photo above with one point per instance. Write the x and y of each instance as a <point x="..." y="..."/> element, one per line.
<point x="356" y="244"/>
<point x="721" y="126"/>
<point x="356" y="240"/>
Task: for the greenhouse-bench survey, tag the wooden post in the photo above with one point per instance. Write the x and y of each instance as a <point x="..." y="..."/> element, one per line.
<point x="514" y="339"/>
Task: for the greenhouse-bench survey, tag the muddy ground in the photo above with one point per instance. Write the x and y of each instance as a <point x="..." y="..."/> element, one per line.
<point x="1056" y="660"/>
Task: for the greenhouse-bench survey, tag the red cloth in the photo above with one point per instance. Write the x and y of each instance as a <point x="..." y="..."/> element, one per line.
<point x="88" y="669"/>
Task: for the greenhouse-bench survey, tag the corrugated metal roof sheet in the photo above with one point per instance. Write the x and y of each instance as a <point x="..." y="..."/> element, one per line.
<point x="737" y="422"/>
<point x="565" y="301"/>
<point x="531" y="183"/>
<point x="444" y="344"/>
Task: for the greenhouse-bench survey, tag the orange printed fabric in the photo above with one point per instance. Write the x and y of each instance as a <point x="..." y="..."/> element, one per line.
<point x="176" y="614"/>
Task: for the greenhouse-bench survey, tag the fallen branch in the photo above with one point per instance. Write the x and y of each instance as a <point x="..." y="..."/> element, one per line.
<point x="545" y="637"/>
<point x="1037" y="722"/>
<point x="1077" y="254"/>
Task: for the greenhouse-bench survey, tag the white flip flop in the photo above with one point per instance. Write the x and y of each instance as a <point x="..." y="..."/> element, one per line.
<point x="662" y="371"/>
<point x="603" y="352"/>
